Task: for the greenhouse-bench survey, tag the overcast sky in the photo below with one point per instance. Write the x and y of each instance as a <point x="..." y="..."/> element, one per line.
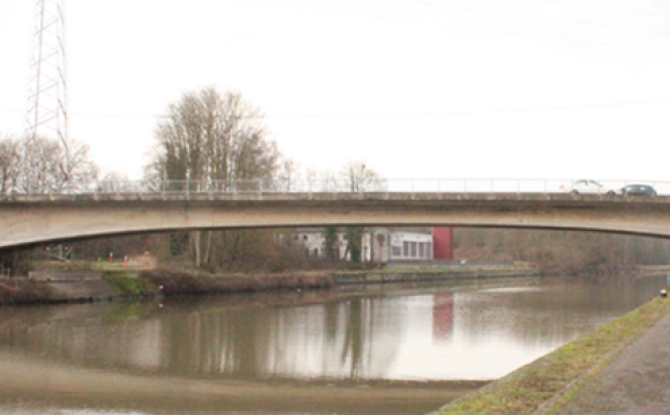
<point x="413" y="88"/>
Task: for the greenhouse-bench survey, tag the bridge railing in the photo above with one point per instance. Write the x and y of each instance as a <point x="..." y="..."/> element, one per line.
<point x="376" y="185"/>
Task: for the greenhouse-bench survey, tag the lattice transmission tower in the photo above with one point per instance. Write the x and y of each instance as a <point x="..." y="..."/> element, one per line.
<point x="47" y="89"/>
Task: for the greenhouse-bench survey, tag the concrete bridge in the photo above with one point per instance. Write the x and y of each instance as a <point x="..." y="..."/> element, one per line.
<point x="26" y="220"/>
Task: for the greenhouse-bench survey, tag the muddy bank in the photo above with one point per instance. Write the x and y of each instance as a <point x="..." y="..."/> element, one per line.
<point x="35" y="380"/>
<point x="57" y="287"/>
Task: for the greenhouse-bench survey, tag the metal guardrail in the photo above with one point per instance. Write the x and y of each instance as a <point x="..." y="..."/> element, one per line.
<point x="277" y="186"/>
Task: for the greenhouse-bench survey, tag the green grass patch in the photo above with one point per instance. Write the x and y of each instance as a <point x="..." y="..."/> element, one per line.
<point x="128" y="283"/>
<point x="523" y="391"/>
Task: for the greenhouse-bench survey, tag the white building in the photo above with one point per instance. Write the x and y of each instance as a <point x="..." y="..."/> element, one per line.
<point x="379" y="244"/>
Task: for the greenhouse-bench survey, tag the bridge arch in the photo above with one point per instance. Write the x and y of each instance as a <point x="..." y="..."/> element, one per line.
<point x="27" y="220"/>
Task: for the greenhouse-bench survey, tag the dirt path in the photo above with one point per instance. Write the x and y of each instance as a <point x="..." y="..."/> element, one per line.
<point x="637" y="382"/>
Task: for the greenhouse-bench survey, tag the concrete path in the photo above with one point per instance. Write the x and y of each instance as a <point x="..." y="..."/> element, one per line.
<point x="637" y="382"/>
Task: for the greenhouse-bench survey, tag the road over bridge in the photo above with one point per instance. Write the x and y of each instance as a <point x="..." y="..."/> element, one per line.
<point x="27" y="220"/>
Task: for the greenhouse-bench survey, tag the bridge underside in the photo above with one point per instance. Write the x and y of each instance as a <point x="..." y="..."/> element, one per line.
<point x="30" y="220"/>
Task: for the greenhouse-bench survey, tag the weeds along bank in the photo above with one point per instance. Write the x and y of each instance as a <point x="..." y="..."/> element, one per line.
<point x="55" y="286"/>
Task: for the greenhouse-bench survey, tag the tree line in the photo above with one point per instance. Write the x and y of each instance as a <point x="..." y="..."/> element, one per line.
<point x="208" y="136"/>
<point x="562" y="251"/>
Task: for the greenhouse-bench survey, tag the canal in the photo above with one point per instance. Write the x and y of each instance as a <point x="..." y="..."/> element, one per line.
<point x="400" y="349"/>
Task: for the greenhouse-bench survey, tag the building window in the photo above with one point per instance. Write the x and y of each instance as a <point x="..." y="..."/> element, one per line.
<point x="396" y="252"/>
<point x="412" y="249"/>
<point x="429" y="251"/>
<point x="305" y="237"/>
<point x="405" y="249"/>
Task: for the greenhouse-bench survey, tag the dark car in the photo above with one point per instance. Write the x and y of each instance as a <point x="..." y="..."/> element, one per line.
<point x="638" y="190"/>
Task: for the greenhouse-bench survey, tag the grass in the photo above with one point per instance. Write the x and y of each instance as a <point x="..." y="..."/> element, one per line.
<point x="129" y="284"/>
<point x="523" y="391"/>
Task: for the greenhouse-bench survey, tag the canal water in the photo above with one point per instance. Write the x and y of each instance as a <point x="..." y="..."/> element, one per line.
<point x="395" y="349"/>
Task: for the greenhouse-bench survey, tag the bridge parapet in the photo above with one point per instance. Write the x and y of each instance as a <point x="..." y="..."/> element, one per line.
<point x="314" y="198"/>
<point x="376" y="185"/>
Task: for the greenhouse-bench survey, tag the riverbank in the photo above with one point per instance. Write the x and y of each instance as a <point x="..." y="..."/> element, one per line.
<point x="636" y="382"/>
<point x="29" y="381"/>
<point x="77" y="286"/>
<point x="552" y="381"/>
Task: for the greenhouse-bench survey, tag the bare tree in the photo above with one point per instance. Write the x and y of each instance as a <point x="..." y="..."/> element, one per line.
<point x="311" y="179"/>
<point x="330" y="182"/>
<point x="9" y="163"/>
<point x="288" y="175"/>
<point x="356" y="177"/>
<point x="116" y="182"/>
<point x="207" y="136"/>
<point x="37" y="165"/>
<point x="213" y="140"/>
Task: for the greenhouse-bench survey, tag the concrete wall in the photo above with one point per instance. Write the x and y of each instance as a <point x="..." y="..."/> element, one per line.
<point x="31" y="219"/>
<point x="61" y="276"/>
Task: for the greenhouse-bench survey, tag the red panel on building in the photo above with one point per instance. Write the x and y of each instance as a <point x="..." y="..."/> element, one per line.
<point x="443" y="243"/>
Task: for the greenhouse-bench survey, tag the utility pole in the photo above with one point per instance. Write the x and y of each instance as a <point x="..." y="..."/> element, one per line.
<point x="47" y="89"/>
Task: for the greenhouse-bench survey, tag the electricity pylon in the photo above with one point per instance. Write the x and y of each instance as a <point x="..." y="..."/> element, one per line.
<point x="47" y="96"/>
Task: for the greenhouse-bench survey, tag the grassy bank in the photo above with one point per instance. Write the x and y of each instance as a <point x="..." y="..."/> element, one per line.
<point x="127" y="284"/>
<point x="526" y="389"/>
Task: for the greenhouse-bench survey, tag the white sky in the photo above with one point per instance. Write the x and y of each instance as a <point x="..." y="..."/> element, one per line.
<point x="413" y="88"/>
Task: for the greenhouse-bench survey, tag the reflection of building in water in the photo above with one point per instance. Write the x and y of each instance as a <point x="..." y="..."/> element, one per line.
<point x="443" y="316"/>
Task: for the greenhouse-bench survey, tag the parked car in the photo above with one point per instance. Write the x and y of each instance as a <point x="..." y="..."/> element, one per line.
<point x="638" y="190"/>
<point x="591" y="187"/>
